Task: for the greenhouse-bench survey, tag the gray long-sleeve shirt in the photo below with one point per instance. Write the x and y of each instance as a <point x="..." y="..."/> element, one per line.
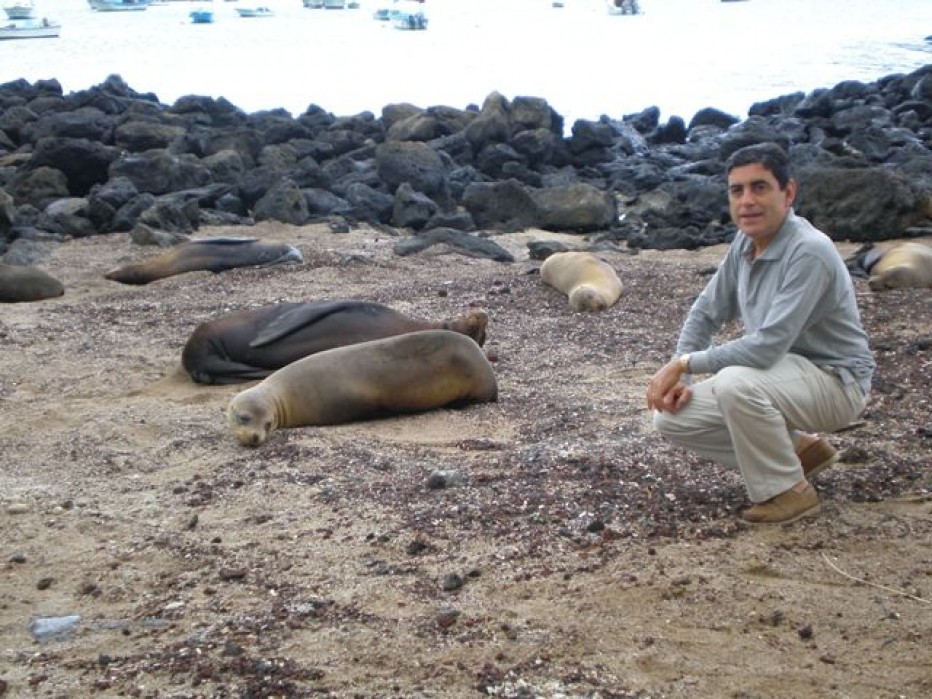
<point x="796" y="298"/>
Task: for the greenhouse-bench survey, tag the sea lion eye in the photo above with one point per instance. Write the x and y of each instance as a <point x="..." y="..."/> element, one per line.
<point x="242" y="419"/>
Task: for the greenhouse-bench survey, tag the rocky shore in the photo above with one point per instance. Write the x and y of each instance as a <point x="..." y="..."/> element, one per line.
<point x="110" y="159"/>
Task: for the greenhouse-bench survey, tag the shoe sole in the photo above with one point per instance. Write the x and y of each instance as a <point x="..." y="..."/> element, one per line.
<point x="814" y="510"/>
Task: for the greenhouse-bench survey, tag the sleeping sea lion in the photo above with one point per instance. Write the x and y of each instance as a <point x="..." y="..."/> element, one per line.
<point x="589" y="281"/>
<point x="19" y="284"/>
<point x="407" y="373"/>
<point x="209" y="254"/>
<point x="252" y="344"/>
<point x="902" y="266"/>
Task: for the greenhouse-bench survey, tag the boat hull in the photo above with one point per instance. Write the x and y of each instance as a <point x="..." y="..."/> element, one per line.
<point x="119" y="5"/>
<point x="30" y="29"/>
<point x="20" y="11"/>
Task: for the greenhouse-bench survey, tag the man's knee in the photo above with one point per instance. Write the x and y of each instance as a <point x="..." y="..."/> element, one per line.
<point x="667" y="424"/>
<point x="733" y="382"/>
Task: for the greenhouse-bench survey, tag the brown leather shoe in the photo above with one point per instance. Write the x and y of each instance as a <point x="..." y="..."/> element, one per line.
<point x="817" y="457"/>
<point x="786" y="507"/>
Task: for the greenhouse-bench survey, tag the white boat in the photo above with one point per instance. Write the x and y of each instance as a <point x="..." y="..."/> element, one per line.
<point x="30" y="29"/>
<point x="409" y="15"/>
<point x="334" y="4"/>
<point x="23" y="9"/>
<point x="313" y="4"/>
<point x="623" y="7"/>
<point x="119" y="5"/>
<point x="254" y="12"/>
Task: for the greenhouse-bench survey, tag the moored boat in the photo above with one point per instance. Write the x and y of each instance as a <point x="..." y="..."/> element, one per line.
<point x="119" y="5"/>
<point x="254" y="12"/>
<point x="202" y="16"/>
<point x="409" y="15"/>
<point x="22" y="9"/>
<point x="30" y="29"/>
<point x="623" y="7"/>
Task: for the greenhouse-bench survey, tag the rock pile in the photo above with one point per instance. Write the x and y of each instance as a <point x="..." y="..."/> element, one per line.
<point x="111" y="159"/>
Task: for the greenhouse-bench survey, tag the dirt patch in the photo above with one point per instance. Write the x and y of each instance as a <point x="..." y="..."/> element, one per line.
<point x="546" y="545"/>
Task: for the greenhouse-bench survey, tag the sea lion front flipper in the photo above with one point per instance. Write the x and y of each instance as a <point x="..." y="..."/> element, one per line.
<point x="295" y="318"/>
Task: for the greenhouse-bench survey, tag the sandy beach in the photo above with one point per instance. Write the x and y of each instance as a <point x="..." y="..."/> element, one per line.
<point x="545" y="545"/>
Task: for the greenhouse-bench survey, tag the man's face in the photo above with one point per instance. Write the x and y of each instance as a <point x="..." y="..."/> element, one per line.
<point x="758" y="206"/>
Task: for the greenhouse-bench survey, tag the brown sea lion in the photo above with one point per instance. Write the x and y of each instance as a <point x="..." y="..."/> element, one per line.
<point x="252" y="344"/>
<point x="901" y="266"/>
<point x="208" y="254"/>
<point x="590" y="283"/>
<point x="407" y="373"/>
<point x="18" y="284"/>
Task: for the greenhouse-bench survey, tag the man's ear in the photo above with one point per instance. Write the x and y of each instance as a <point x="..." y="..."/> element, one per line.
<point x="790" y="191"/>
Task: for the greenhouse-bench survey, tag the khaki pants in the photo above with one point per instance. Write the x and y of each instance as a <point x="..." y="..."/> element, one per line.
<point x="750" y="418"/>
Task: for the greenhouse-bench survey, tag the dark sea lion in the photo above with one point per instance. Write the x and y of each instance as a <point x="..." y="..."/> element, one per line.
<point x="252" y="344"/>
<point x="590" y="283"/>
<point x="208" y="254"/>
<point x="18" y="284"/>
<point x="407" y="373"/>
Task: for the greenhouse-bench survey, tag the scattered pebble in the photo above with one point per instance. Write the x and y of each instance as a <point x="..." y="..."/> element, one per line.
<point x="53" y="628"/>
<point x="452" y="581"/>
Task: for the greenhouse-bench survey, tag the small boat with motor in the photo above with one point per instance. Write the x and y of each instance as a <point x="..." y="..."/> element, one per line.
<point x="261" y="11"/>
<point x="30" y="29"/>
<point x="408" y="15"/>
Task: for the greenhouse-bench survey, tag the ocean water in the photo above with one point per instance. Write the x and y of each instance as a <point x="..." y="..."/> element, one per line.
<point x="678" y="55"/>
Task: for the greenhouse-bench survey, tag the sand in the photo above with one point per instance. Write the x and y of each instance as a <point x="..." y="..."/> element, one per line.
<point x="546" y="545"/>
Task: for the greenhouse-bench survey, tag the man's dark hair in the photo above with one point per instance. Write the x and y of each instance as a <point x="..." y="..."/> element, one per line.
<point x="770" y="155"/>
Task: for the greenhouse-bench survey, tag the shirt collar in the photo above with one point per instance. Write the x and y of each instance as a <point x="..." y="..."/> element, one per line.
<point x="777" y="246"/>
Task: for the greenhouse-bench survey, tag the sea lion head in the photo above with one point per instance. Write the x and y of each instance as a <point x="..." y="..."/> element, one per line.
<point x="472" y="324"/>
<point x="587" y="298"/>
<point x="251" y="417"/>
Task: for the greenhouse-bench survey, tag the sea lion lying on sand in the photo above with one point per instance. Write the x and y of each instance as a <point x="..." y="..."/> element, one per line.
<point x="18" y="284"/>
<point x="899" y="266"/>
<point x="407" y="373"/>
<point x="208" y="254"/>
<point x="252" y="344"/>
<point x="590" y="283"/>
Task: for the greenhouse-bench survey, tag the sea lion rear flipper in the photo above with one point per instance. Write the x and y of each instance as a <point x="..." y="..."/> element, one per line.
<point x="296" y="318"/>
<point x="860" y="262"/>
<point x="223" y="372"/>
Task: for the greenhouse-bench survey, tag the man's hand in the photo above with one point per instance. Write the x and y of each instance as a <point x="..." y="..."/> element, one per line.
<point x="666" y="391"/>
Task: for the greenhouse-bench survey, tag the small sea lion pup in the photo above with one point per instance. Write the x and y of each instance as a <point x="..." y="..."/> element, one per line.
<point x="252" y="344"/>
<point x="409" y="373"/>
<point x="900" y="266"/>
<point x="19" y="284"/>
<point x="207" y="254"/>
<point x="589" y="281"/>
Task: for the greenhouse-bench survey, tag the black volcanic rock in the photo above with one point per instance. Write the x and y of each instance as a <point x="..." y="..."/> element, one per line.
<point x="117" y="158"/>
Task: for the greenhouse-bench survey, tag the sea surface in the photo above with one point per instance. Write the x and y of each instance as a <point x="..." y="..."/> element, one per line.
<point x="678" y="55"/>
